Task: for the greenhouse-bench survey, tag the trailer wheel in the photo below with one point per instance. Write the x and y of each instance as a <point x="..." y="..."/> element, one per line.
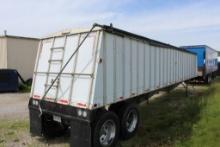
<point x="106" y="130"/>
<point x="129" y="121"/>
<point x="208" y="79"/>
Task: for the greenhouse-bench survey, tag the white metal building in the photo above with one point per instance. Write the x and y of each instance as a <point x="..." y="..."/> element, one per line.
<point x="18" y="53"/>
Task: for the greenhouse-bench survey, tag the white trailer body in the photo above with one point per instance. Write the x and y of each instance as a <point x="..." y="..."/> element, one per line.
<point x="110" y="67"/>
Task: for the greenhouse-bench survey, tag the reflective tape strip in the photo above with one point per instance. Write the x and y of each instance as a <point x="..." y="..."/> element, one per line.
<point x="81" y="105"/>
<point x="36" y="97"/>
<point x="63" y="101"/>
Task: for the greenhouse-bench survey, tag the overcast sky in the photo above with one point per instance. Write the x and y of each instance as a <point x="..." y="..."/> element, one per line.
<point x="185" y="22"/>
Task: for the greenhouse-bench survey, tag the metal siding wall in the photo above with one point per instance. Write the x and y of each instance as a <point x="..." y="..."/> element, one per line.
<point x="165" y="68"/>
<point x="157" y="72"/>
<point x="185" y="65"/>
<point x="147" y="67"/>
<point x="97" y="96"/>
<point x="183" y="55"/>
<point x="191" y="64"/>
<point x="154" y="67"/>
<point x="139" y="67"/>
<point x="3" y="52"/>
<point x="177" y="67"/>
<point x="161" y="67"/>
<point x="119" y="68"/>
<point x="174" y="66"/>
<point x="128" y="68"/>
<point x="171" y="66"/>
<point x="188" y="66"/>
<point x="21" y="55"/>
<point x="109" y="68"/>
<point x="151" y="67"/>
<point x="134" y="67"/>
<point x="127" y="63"/>
<point x="181" y="65"/>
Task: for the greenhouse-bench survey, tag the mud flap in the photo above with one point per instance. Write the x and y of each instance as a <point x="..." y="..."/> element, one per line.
<point x="35" y="122"/>
<point x="81" y="134"/>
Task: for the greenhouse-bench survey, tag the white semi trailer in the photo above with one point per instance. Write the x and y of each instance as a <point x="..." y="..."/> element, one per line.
<point x="91" y="81"/>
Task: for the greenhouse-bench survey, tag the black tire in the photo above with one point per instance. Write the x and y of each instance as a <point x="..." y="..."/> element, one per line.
<point x="106" y="117"/>
<point x="126" y="130"/>
<point x="208" y="79"/>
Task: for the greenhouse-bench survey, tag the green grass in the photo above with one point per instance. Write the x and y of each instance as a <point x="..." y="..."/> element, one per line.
<point x="169" y="120"/>
<point x="10" y="131"/>
<point x="16" y="133"/>
<point x="24" y="88"/>
<point x="177" y="120"/>
<point x="206" y="132"/>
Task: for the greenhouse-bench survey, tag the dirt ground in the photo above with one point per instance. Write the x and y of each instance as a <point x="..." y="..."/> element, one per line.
<point x="14" y="105"/>
<point x="14" y="124"/>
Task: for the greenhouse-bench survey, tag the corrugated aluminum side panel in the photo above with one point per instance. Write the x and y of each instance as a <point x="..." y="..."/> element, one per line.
<point x="108" y="68"/>
<point x="147" y="67"/>
<point x="133" y="67"/>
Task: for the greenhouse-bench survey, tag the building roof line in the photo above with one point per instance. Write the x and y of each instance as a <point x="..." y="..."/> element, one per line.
<point x="19" y="37"/>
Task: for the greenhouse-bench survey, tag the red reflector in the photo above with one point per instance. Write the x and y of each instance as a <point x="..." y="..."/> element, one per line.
<point x="63" y="101"/>
<point x="82" y="105"/>
<point x="48" y="98"/>
<point x="36" y="96"/>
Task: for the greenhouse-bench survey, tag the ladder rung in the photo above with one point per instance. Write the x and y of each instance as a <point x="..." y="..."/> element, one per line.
<point x="54" y="48"/>
<point x="77" y="74"/>
<point x="55" y="60"/>
<point x="82" y="74"/>
<point x="47" y="85"/>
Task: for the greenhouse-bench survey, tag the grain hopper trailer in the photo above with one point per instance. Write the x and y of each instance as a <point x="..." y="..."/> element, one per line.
<point x="207" y="61"/>
<point x="92" y="80"/>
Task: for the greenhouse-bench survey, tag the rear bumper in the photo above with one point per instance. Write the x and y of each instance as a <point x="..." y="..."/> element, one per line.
<point x="66" y="112"/>
<point x="81" y="127"/>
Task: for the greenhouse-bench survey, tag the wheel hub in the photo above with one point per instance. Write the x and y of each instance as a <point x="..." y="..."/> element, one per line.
<point x="132" y="120"/>
<point x="107" y="133"/>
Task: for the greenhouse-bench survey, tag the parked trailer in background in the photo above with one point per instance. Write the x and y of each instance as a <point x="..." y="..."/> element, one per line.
<point x="207" y="61"/>
<point x="91" y="81"/>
